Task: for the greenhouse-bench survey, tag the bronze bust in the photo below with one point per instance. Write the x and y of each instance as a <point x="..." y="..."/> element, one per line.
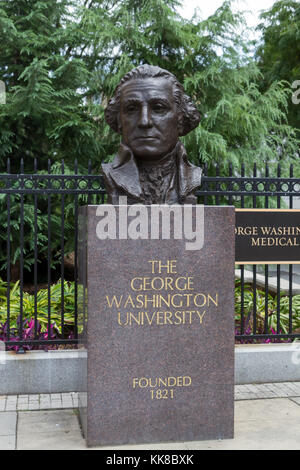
<point x="151" y="111"/>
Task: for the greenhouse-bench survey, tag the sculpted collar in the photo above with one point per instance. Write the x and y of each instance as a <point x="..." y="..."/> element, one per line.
<point x="125" y="174"/>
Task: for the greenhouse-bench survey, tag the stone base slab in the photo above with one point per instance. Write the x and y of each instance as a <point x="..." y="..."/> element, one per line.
<point x="57" y="371"/>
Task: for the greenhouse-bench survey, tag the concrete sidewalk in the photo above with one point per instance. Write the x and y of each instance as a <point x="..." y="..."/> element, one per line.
<point x="267" y="416"/>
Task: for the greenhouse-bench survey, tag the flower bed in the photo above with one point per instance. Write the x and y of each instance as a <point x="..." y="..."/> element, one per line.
<point x="261" y="320"/>
<point x="38" y="329"/>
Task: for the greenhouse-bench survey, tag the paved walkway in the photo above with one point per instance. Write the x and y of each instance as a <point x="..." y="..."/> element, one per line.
<point x="267" y="416"/>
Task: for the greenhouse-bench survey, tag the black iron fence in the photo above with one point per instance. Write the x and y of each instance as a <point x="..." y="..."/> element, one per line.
<point x="39" y="244"/>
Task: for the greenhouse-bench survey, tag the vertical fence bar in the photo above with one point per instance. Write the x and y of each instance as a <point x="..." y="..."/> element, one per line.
<point x="242" y="266"/>
<point x="8" y="253"/>
<point x="291" y="186"/>
<point x="291" y="266"/>
<point x="243" y="185"/>
<point x="49" y="249"/>
<point x="217" y="184"/>
<point x="278" y="265"/>
<point x="266" y="266"/>
<point x="76" y="250"/>
<point x="230" y="200"/>
<point x="205" y="184"/>
<point x="89" y="181"/>
<point x="62" y="244"/>
<point x="102" y="198"/>
<point x="21" y="251"/>
<point x="254" y="269"/>
<point x="35" y="249"/>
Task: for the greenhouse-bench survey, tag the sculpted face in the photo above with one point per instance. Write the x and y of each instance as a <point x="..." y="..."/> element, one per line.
<point x="149" y="117"/>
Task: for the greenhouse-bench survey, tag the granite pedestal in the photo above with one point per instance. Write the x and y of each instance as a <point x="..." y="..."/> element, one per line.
<point x="157" y="320"/>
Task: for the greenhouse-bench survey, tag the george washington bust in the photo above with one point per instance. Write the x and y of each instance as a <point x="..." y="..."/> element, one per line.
<point x="151" y="111"/>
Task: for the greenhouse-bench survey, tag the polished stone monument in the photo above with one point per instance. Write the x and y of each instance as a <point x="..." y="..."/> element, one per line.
<point x="156" y="282"/>
<point x="160" y="333"/>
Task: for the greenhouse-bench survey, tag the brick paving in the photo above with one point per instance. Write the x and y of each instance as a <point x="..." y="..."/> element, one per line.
<point x="38" y="402"/>
<point x="267" y="417"/>
<point x="267" y="391"/>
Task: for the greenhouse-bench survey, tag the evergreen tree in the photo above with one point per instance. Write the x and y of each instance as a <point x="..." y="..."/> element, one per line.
<point x="61" y="62"/>
<point x="46" y="115"/>
<point x="278" y="54"/>
<point x="213" y="61"/>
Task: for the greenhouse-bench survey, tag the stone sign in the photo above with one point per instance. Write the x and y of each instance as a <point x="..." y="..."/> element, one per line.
<point x="267" y="236"/>
<point x="157" y="318"/>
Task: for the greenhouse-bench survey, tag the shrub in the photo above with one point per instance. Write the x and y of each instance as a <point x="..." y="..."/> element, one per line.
<point x="271" y="320"/>
<point x="41" y="307"/>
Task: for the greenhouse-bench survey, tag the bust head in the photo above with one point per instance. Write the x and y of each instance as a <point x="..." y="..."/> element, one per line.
<point x="151" y="111"/>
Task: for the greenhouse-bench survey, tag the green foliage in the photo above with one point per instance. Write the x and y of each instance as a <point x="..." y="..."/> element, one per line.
<point x="29" y="240"/>
<point x="61" y="62"/>
<point x="279" y="51"/>
<point x="29" y="233"/>
<point x="272" y="302"/>
<point x="46" y="115"/>
<point x="213" y="61"/>
<point x="69" y="307"/>
<point x="41" y="305"/>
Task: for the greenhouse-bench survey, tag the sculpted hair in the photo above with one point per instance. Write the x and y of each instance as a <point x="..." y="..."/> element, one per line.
<point x="189" y="116"/>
